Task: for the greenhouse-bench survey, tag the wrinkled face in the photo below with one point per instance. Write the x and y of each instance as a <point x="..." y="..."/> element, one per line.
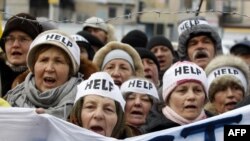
<point x="151" y="70"/>
<point x="100" y="34"/>
<point x="201" y="50"/>
<point x="17" y="45"/>
<point x="119" y="69"/>
<point x="164" y="56"/>
<point x="226" y="98"/>
<point x="99" y="114"/>
<point x="137" y="108"/>
<point x="51" y="69"/>
<point x="187" y="100"/>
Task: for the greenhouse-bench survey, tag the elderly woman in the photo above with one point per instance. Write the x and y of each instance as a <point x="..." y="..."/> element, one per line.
<point x="140" y="94"/>
<point x="184" y="94"/>
<point x="227" y="83"/>
<point x="120" y="60"/>
<point x="53" y="60"/>
<point x="99" y="106"/>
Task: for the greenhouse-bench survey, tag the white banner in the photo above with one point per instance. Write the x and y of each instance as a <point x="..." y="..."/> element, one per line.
<point x="23" y="124"/>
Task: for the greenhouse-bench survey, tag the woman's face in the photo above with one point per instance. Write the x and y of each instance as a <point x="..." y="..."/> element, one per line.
<point x="226" y="99"/>
<point x="17" y="45"/>
<point x="51" y="69"/>
<point x="188" y="100"/>
<point x="119" y="69"/>
<point x="137" y="108"/>
<point x="99" y="114"/>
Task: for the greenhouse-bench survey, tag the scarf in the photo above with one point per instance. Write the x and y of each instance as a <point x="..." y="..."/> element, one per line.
<point x="16" y="68"/>
<point x="173" y="116"/>
<point x="57" y="101"/>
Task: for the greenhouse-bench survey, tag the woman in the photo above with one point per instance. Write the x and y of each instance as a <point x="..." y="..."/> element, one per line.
<point x="120" y="60"/>
<point x="140" y="94"/>
<point x="99" y="106"/>
<point x="227" y="83"/>
<point x="53" y="60"/>
<point x="184" y="94"/>
<point x="19" y="32"/>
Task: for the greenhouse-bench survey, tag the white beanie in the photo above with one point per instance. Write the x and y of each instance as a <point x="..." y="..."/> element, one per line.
<point x="102" y="84"/>
<point x="95" y="22"/>
<point x="118" y="54"/>
<point x="141" y="86"/>
<point x="58" y="39"/>
<point x="182" y="72"/>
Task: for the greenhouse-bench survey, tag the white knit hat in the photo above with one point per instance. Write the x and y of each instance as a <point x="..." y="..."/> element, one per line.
<point x="59" y="39"/>
<point x="182" y="72"/>
<point x="102" y="84"/>
<point x="141" y="86"/>
<point x="95" y="22"/>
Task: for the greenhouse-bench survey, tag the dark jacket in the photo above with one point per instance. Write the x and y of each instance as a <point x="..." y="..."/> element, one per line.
<point x="7" y="76"/>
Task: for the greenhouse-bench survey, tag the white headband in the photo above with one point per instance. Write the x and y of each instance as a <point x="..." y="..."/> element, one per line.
<point x="189" y="24"/>
<point x="222" y="71"/>
<point x="141" y="86"/>
<point x="102" y="84"/>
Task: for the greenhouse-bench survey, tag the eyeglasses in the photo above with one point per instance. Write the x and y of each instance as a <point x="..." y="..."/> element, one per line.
<point x="9" y="40"/>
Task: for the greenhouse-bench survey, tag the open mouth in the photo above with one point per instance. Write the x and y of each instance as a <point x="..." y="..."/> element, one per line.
<point x="190" y="107"/>
<point x="117" y="82"/>
<point x="16" y="53"/>
<point x="148" y="76"/>
<point x="49" y="80"/>
<point x="136" y="114"/>
<point x="231" y="105"/>
<point x="201" y="55"/>
<point x="97" y="129"/>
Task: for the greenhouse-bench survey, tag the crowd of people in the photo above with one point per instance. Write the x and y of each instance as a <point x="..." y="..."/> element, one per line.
<point x="123" y="88"/>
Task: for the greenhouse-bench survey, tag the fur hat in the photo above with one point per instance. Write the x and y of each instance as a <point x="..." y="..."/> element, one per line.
<point x="59" y="39"/>
<point x="160" y="40"/>
<point x="145" y="53"/>
<point x="141" y="86"/>
<point x="241" y="48"/>
<point x="135" y="38"/>
<point x="102" y="84"/>
<point x="226" y="68"/>
<point x="115" y="45"/>
<point x="193" y="27"/>
<point x="22" y="22"/>
<point x="182" y="72"/>
<point x="95" y="22"/>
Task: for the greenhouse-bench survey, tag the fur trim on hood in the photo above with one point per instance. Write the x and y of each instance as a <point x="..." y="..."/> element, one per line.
<point x="223" y="66"/>
<point x="101" y="54"/>
<point x="86" y="68"/>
